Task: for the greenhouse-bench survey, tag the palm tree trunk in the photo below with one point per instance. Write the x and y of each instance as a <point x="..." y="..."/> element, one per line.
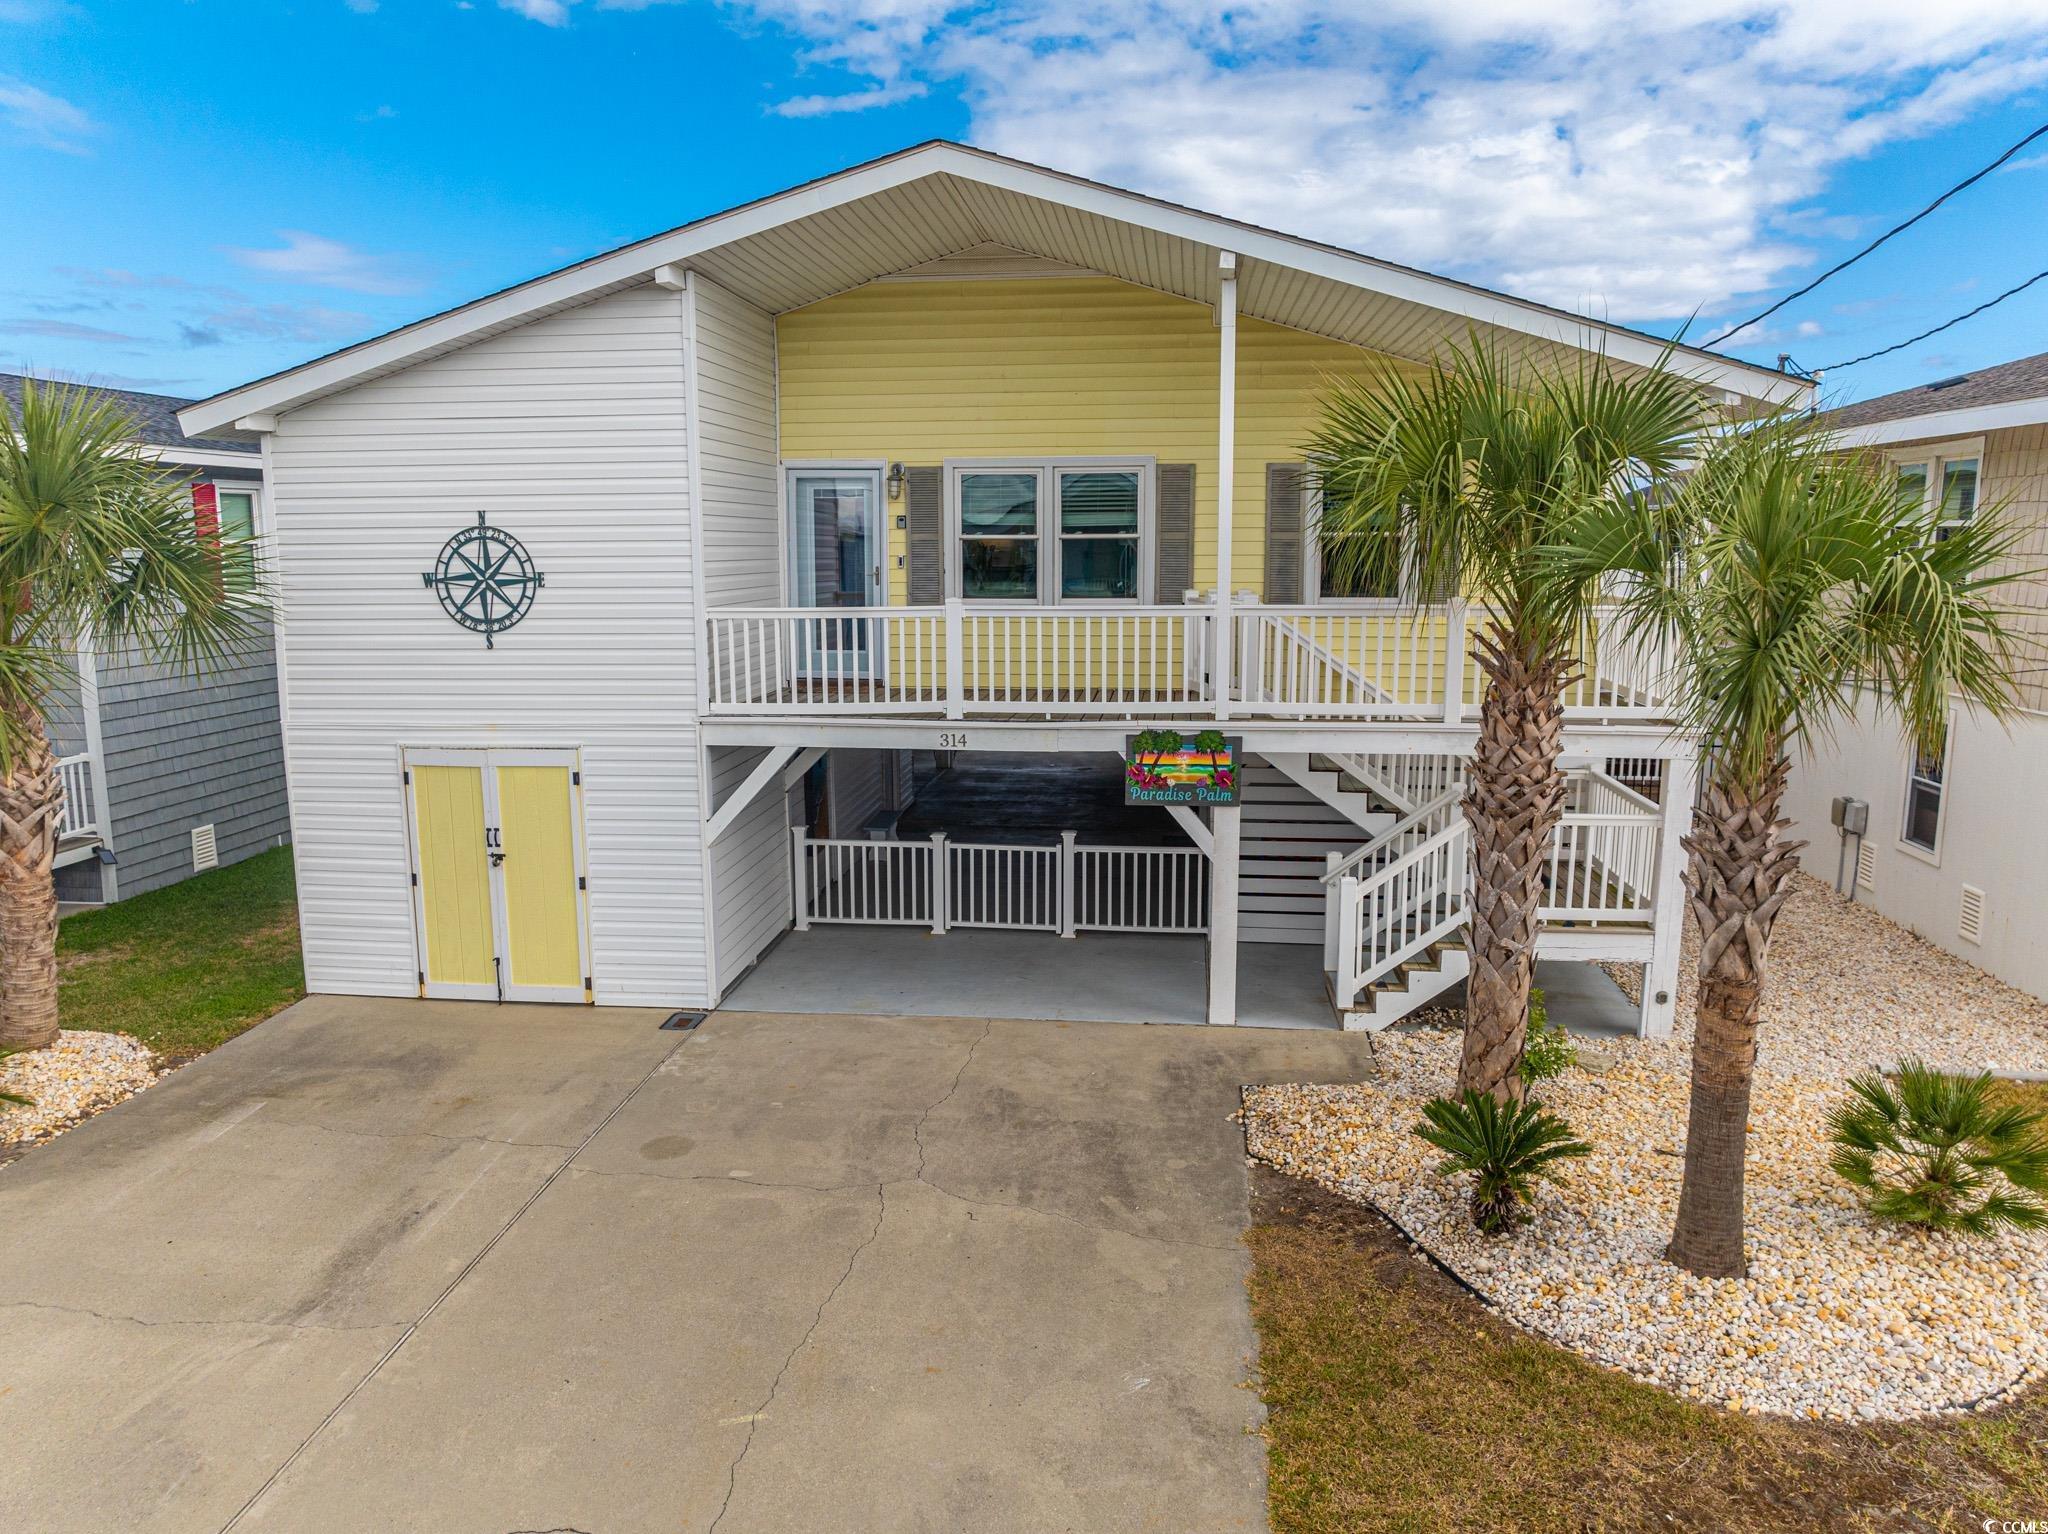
<point x="1738" y="878"/>
<point x="1513" y="798"/>
<point x="31" y="802"/>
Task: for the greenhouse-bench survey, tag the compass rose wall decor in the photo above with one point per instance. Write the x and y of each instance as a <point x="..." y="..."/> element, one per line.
<point x="485" y="579"/>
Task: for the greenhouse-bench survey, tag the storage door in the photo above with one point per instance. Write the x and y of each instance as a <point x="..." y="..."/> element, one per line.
<point x="456" y="922"/>
<point x="538" y="873"/>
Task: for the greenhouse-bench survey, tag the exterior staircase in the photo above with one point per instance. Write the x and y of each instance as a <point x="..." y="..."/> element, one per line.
<point x="1395" y="916"/>
<point x="1408" y="986"/>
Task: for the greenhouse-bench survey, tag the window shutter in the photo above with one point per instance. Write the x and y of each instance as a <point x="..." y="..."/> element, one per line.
<point x="206" y="511"/>
<point x="924" y="522"/>
<point x="1285" y="513"/>
<point x="1174" y="528"/>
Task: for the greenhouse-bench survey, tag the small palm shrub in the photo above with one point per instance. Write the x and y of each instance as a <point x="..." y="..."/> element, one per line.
<point x="1508" y="1147"/>
<point x="1933" y="1149"/>
<point x="1546" y="1047"/>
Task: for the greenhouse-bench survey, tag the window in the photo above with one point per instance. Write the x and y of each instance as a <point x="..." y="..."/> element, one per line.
<point x="1336" y="579"/>
<point x="1943" y="482"/>
<point x="238" y="527"/>
<point x="999" y="536"/>
<point x="1922" y="825"/>
<point x="1052" y="531"/>
<point x="1099" y="533"/>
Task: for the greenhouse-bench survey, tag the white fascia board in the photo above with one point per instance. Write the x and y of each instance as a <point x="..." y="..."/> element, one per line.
<point x="201" y="458"/>
<point x="1972" y="422"/>
<point x="640" y="263"/>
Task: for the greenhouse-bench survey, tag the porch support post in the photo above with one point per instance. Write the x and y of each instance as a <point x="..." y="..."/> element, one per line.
<point x="1455" y="613"/>
<point x="956" y="671"/>
<point x="1224" y="833"/>
<point x="940" y="883"/>
<point x="799" y="879"/>
<point x="1660" y="975"/>
<point x="1226" y="479"/>
<point x="1068" y="865"/>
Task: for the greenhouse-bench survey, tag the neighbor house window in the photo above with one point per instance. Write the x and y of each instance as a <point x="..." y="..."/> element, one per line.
<point x="238" y="524"/>
<point x="1943" y="485"/>
<point x="1051" y="531"/>
<point x="1923" y="801"/>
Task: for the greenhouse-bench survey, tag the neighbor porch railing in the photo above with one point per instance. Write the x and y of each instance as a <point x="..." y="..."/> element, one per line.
<point x="943" y="884"/>
<point x="1253" y="660"/>
<point x="80" y="815"/>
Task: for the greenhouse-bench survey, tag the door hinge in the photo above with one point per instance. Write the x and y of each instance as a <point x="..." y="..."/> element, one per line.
<point x="408" y="774"/>
<point x="423" y="977"/>
<point x="576" y="779"/>
<point x="582" y="883"/>
<point x="415" y="881"/>
<point x="498" y="974"/>
<point x="586" y="982"/>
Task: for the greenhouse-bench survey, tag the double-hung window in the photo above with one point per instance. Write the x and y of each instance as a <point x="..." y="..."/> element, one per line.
<point x="1921" y="824"/>
<point x="1943" y="482"/>
<point x="1333" y="577"/>
<point x="1051" y="531"/>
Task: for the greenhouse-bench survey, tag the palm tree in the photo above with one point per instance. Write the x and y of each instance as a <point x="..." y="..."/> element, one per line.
<point x="1797" y="579"/>
<point x="1447" y="481"/>
<point x="94" y="539"/>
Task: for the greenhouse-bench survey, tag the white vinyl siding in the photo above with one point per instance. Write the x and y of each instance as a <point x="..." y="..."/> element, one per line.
<point x="570" y="433"/>
<point x="741" y="538"/>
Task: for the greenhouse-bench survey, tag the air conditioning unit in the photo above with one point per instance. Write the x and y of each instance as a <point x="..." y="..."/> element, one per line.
<point x="205" y="852"/>
<point x="1970" y="924"/>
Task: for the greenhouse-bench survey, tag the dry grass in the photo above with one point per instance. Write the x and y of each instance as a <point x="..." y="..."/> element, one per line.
<point x="1397" y="1402"/>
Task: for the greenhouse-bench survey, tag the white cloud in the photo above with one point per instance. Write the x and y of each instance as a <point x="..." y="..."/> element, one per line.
<point x="51" y="121"/>
<point x="321" y="262"/>
<point x="549" y="13"/>
<point x="1634" y="158"/>
<point x="63" y="330"/>
<point x="850" y="101"/>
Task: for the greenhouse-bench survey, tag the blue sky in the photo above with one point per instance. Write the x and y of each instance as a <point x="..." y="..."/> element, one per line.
<point x="203" y="191"/>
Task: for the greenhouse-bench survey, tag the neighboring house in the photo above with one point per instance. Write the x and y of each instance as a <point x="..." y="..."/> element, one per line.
<point x="614" y="604"/>
<point x="1957" y="845"/>
<point x="166" y="773"/>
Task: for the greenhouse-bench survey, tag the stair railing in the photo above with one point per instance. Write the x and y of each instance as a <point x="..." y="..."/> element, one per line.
<point x="1400" y="909"/>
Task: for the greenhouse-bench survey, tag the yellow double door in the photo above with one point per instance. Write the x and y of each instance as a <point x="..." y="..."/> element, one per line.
<point x="498" y="874"/>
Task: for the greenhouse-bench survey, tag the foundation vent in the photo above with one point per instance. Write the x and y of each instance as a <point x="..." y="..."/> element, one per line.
<point x="205" y="854"/>
<point x="1866" y="869"/>
<point x="1970" y="924"/>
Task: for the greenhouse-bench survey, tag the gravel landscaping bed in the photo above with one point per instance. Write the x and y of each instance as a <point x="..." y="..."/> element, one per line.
<point x="71" y="1080"/>
<point x="1839" y="1318"/>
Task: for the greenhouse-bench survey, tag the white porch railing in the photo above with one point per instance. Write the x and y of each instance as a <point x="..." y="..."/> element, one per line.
<point x="80" y="816"/>
<point x="1410" y="886"/>
<point x="1252" y="661"/>
<point x="1064" y="888"/>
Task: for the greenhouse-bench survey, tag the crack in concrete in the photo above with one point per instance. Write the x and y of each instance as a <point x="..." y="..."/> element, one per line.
<point x="732" y="1472"/>
<point x="730" y="1181"/>
<point x="103" y="1315"/>
<point x="1074" y="1219"/>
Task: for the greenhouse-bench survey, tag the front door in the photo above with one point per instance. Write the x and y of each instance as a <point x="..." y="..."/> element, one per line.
<point x="836" y="561"/>
<point x="498" y="875"/>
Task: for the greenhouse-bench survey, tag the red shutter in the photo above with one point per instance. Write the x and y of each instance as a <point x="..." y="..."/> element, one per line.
<point x="206" y="511"/>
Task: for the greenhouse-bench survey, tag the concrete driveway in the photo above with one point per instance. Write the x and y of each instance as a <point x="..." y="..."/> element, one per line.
<point x="431" y="1266"/>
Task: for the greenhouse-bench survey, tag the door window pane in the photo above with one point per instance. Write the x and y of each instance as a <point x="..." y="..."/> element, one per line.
<point x="833" y="556"/>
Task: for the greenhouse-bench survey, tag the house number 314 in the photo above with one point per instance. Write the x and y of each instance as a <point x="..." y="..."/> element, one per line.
<point x="952" y="740"/>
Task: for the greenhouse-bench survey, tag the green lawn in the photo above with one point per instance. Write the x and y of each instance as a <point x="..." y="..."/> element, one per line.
<point x="1396" y="1402"/>
<point x="188" y="967"/>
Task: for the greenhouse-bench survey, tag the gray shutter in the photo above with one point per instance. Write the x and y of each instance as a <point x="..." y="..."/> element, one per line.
<point x="924" y="522"/>
<point x="1173" y="571"/>
<point x="1286" y="513"/>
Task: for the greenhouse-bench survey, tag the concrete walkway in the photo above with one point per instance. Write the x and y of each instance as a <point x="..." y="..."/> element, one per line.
<point x="404" y="1265"/>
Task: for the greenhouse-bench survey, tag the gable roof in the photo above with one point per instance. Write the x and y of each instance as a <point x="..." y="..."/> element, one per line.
<point x="155" y="416"/>
<point x="939" y="199"/>
<point x="2009" y="394"/>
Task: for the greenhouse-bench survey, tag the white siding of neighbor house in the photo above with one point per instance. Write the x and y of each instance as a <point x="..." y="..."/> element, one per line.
<point x="571" y="433"/>
<point x="1991" y="834"/>
<point x="739" y="520"/>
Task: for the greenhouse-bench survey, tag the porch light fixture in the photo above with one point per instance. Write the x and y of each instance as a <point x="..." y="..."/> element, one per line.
<point x="895" y="481"/>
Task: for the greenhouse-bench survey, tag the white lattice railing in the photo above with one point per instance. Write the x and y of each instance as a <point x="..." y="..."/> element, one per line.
<point x="81" y="814"/>
<point x="943" y="884"/>
<point x="1252" y="660"/>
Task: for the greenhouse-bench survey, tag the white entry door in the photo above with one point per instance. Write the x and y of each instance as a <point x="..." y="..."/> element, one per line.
<point x="836" y="560"/>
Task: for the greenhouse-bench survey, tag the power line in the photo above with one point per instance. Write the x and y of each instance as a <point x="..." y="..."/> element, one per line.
<point x="1938" y="329"/>
<point x="1840" y="266"/>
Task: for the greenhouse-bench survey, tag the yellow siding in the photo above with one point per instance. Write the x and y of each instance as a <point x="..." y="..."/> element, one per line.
<point x="540" y="876"/>
<point x="455" y="884"/>
<point x="919" y="372"/>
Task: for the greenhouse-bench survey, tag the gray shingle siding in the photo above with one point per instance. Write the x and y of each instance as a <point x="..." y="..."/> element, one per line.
<point x="182" y="753"/>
